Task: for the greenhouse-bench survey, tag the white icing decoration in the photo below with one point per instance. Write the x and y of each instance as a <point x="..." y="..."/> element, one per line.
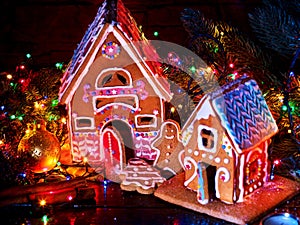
<point x="265" y="169"/>
<point x="250" y="189"/>
<point x="205" y="111"/>
<point x="217" y="160"/>
<point x="203" y="155"/>
<point x="210" y="157"/>
<point x="226" y="161"/>
<point x="255" y="186"/>
<point x="190" y="151"/>
<point x="199" y="140"/>
<point x="113" y="70"/>
<point x="217" y="179"/>
<point x="259" y="183"/>
<point x="170" y="170"/>
<point x="203" y="202"/>
<point x="86" y="69"/>
<point x="180" y="158"/>
<point x="169" y="137"/>
<point x="111" y="131"/>
<point x="134" y="98"/>
<point x="196" y="153"/>
<point x="127" y="47"/>
<point x="186" y="162"/>
<point x="241" y="179"/>
<point x="91" y="119"/>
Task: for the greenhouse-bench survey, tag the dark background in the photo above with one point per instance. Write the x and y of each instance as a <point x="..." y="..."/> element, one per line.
<point x="51" y="29"/>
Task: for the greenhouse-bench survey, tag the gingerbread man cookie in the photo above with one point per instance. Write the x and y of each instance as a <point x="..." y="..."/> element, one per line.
<point x="169" y="149"/>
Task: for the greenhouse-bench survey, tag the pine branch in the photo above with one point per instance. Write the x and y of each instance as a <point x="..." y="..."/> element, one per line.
<point x="276" y="28"/>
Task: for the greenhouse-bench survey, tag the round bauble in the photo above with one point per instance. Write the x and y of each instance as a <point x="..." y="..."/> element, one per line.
<point x="42" y="148"/>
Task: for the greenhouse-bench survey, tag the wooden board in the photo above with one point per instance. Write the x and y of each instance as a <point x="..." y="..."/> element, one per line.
<point x="257" y="205"/>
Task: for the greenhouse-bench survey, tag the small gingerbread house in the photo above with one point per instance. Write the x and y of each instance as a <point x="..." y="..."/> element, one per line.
<point x="114" y="95"/>
<point x="226" y="142"/>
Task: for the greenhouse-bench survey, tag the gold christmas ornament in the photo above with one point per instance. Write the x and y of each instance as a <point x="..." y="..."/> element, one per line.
<point x="43" y="148"/>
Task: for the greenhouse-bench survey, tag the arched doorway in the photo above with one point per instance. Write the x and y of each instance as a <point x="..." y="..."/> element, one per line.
<point x="116" y="147"/>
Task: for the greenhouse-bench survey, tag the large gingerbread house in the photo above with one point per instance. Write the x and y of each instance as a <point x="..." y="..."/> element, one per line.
<point x="114" y="96"/>
<point x="226" y="142"/>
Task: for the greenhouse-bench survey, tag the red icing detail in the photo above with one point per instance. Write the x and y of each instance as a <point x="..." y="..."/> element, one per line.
<point x="222" y="177"/>
<point x="111" y="147"/>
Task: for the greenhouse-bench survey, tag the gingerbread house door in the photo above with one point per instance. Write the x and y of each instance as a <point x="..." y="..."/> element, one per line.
<point x="116" y="148"/>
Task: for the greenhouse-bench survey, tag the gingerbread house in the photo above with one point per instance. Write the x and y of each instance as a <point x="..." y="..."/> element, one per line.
<point x="226" y="142"/>
<point x="114" y="95"/>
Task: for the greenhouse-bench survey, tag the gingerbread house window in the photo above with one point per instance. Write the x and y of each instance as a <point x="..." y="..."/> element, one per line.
<point x="113" y="77"/>
<point x="84" y="123"/>
<point x="207" y="138"/>
<point x="145" y="121"/>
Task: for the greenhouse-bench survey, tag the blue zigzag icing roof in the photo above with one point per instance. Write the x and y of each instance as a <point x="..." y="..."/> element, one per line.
<point x="244" y="113"/>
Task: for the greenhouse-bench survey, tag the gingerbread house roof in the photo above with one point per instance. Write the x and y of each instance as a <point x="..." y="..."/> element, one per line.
<point x="114" y="13"/>
<point x="243" y="113"/>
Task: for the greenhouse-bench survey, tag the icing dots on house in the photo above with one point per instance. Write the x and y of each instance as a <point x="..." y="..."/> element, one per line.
<point x="114" y="96"/>
<point x="226" y="142"/>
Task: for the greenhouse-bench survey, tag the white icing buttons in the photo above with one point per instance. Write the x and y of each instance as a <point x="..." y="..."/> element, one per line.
<point x="196" y="153"/>
<point x="203" y="155"/>
<point x="210" y="156"/>
<point x="190" y="150"/>
<point x="226" y="161"/>
<point x="217" y="160"/>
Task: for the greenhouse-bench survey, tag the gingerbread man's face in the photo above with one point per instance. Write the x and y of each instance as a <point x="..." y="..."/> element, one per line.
<point x="170" y="131"/>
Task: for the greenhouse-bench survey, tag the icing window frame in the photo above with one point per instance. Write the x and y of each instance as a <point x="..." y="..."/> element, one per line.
<point x="145" y="121"/>
<point x="209" y="133"/>
<point x="109" y="74"/>
<point x="77" y="122"/>
<point x="116" y="100"/>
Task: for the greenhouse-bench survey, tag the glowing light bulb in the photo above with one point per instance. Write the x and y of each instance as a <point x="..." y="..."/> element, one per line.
<point x="28" y="56"/>
<point x="193" y="69"/>
<point x="9" y="76"/>
<point x="45" y="219"/>
<point x="63" y="120"/>
<point x="208" y="69"/>
<point x="276" y="162"/>
<point x="231" y="65"/>
<point x="155" y="33"/>
<point x="70" y="198"/>
<point x="36" y="105"/>
<point x="284" y="107"/>
<point x="173" y="109"/>
<point x="43" y="202"/>
<point x="85" y="159"/>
